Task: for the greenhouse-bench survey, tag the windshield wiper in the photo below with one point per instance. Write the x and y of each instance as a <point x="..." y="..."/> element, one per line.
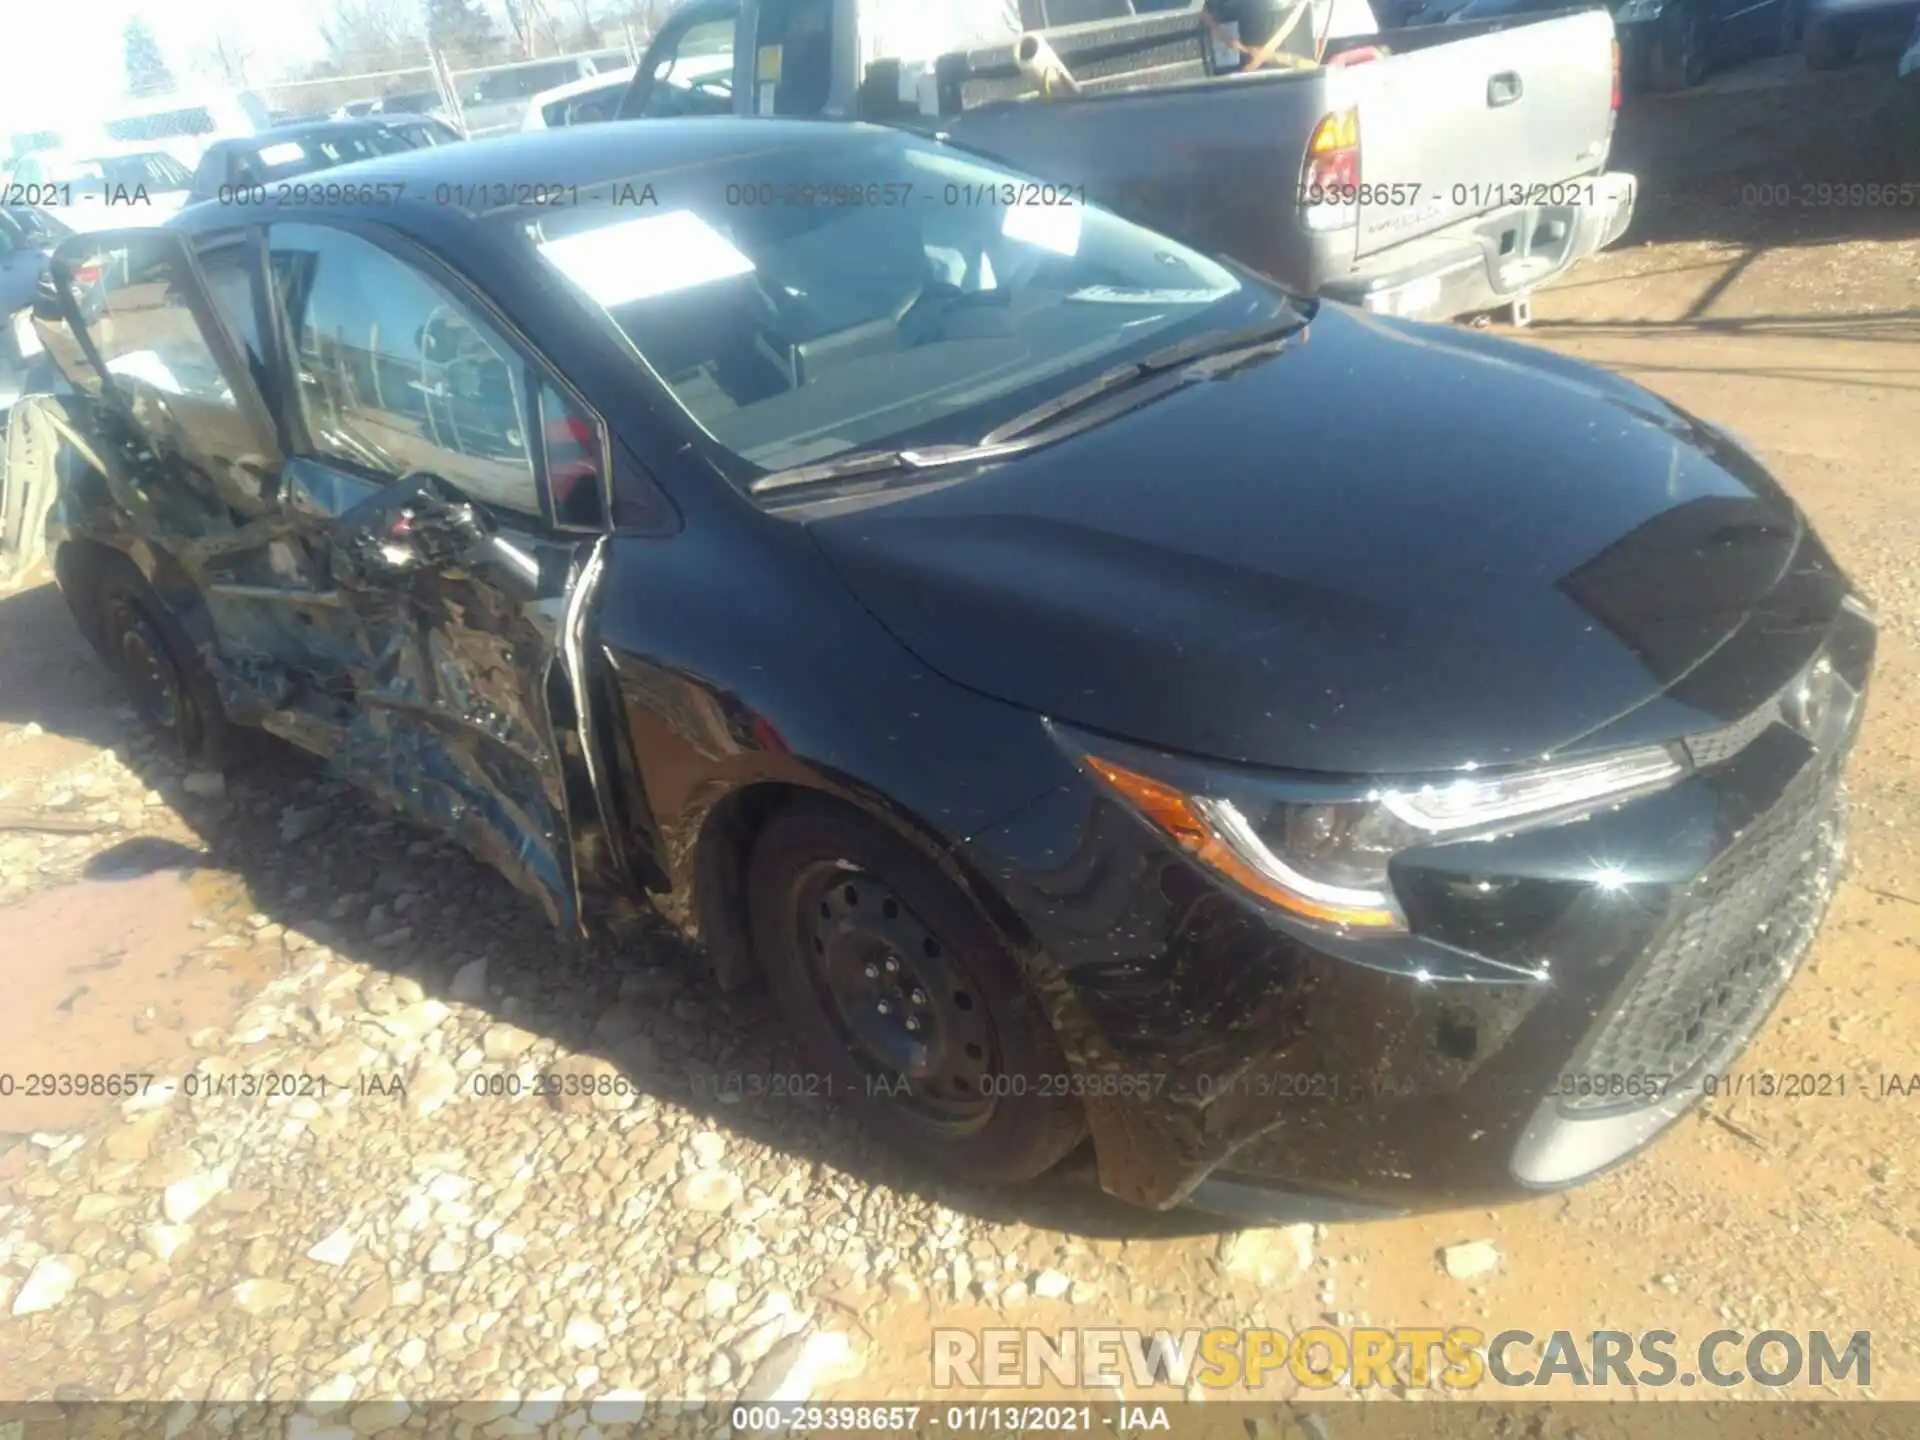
<point x="1202" y="358"/>
<point x="875" y="462"/>
<point x="1230" y="349"/>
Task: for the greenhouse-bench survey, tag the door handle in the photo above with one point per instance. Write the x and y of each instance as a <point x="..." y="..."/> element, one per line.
<point x="1503" y="89"/>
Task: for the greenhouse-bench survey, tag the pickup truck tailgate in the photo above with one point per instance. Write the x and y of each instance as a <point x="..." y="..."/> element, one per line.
<point x="1486" y="121"/>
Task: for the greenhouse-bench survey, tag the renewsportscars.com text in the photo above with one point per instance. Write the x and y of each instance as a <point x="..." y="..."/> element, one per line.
<point x="1417" y="1357"/>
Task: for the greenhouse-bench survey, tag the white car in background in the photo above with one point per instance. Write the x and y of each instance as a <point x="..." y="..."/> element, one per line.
<point x="183" y="124"/>
<point x="579" y="102"/>
<point x="105" y="188"/>
<point x="186" y="122"/>
<point x="494" y="101"/>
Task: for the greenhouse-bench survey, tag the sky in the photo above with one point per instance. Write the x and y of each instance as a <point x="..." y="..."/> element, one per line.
<point x="50" y="67"/>
<point x="86" y="68"/>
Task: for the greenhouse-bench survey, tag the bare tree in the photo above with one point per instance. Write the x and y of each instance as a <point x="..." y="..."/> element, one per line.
<point x="581" y="26"/>
<point x="535" y="27"/>
<point x="146" y="67"/>
<point x="644" y="17"/>
<point x="224" y="59"/>
<point x="362" y="32"/>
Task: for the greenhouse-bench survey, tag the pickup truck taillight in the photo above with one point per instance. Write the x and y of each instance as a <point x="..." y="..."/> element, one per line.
<point x="1330" y="175"/>
<point x="1616" y="76"/>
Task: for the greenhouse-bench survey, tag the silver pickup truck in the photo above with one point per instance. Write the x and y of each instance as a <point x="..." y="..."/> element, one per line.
<point x="1425" y="172"/>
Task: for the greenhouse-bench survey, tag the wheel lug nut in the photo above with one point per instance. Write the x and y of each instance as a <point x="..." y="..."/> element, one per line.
<point x="893" y="965"/>
<point x="873" y="971"/>
<point x="884" y="1008"/>
<point x="913" y="1025"/>
<point x="919" y="997"/>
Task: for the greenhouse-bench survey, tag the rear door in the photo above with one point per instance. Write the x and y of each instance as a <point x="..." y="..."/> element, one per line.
<point x="457" y="489"/>
<point x="1473" y="125"/>
<point x="169" y="394"/>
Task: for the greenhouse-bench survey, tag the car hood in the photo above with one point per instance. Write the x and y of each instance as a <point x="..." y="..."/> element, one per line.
<point x="1390" y="548"/>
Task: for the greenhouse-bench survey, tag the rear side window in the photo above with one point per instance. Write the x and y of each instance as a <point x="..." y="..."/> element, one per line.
<point x="223" y="265"/>
<point x="573" y="454"/>
<point x="132" y="296"/>
<point x="395" y="374"/>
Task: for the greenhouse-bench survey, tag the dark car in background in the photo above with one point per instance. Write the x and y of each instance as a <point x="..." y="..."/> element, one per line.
<point x="1665" y="45"/>
<point x="290" y="151"/>
<point x="1099" y="694"/>
<point x="1835" y="28"/>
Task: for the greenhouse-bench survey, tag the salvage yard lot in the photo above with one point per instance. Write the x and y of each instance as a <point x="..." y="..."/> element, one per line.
<point x="437" y="1238"/>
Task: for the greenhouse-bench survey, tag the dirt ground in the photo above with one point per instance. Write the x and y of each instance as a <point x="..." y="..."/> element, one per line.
<point x="1784" y="312"/>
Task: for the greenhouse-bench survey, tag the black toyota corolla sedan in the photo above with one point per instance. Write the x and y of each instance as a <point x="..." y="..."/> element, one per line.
<point x="1334" y="765"/>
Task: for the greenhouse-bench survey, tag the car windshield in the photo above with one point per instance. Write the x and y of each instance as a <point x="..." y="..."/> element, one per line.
<point x="930" y="301"/>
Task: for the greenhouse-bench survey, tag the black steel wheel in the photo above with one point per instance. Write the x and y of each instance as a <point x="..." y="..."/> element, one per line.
<point x="905" y="998"/>
<point x="156" y="663"/>
<point x="900" y="1005"/>
<point x="144" y="664"/>
<point x="1680" y="55"/>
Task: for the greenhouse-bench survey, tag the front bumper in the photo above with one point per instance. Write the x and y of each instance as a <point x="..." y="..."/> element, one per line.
<point x="1494" y="259"/>
<point x="1564" y="994"/>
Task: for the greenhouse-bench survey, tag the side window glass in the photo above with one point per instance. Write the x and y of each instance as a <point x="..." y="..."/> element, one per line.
<point x="135" y="301"/>
<point x="573" y="460"/>
<point x="223" y="262"/>
<point x="394" y="374"/>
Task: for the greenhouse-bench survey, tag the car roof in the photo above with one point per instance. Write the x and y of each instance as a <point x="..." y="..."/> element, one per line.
<point x="582" y="156"/>
<point x="308" y="129"/>
<point x="622" y="76"/>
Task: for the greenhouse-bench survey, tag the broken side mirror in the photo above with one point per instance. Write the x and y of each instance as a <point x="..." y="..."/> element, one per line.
<point x="418" y="523"/>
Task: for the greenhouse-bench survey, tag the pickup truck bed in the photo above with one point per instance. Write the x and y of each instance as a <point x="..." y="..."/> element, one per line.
<point x="1456" y="170"/>
<point x="1481" y="165"/>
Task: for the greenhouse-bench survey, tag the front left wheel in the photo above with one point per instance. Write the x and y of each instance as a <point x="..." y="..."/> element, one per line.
<point x="906" y="1000"/>
<point x="157" y="664"/>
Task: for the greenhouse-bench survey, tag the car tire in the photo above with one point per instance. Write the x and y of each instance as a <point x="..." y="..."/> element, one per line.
<point x="159" y="666"/>
<point x="912" y="1008"/>
<point x="1828" y="46"/>
<point x="1679" y="57"/>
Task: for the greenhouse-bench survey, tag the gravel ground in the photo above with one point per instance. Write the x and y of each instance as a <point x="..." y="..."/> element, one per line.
<point x="511" y="1170"/>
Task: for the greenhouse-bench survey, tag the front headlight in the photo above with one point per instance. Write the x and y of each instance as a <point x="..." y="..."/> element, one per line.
<point x="1321" y="852"/>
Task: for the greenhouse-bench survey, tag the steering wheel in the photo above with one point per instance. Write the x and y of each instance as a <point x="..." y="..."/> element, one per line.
<point x="447" y="327"/>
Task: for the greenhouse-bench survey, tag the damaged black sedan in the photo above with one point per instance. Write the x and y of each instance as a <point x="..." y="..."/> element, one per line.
<point x="1333" y="764"/>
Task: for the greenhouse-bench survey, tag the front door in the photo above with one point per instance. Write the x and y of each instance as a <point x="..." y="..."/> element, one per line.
<point x="456" y="491"/>
<point x="390" y="565"/>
